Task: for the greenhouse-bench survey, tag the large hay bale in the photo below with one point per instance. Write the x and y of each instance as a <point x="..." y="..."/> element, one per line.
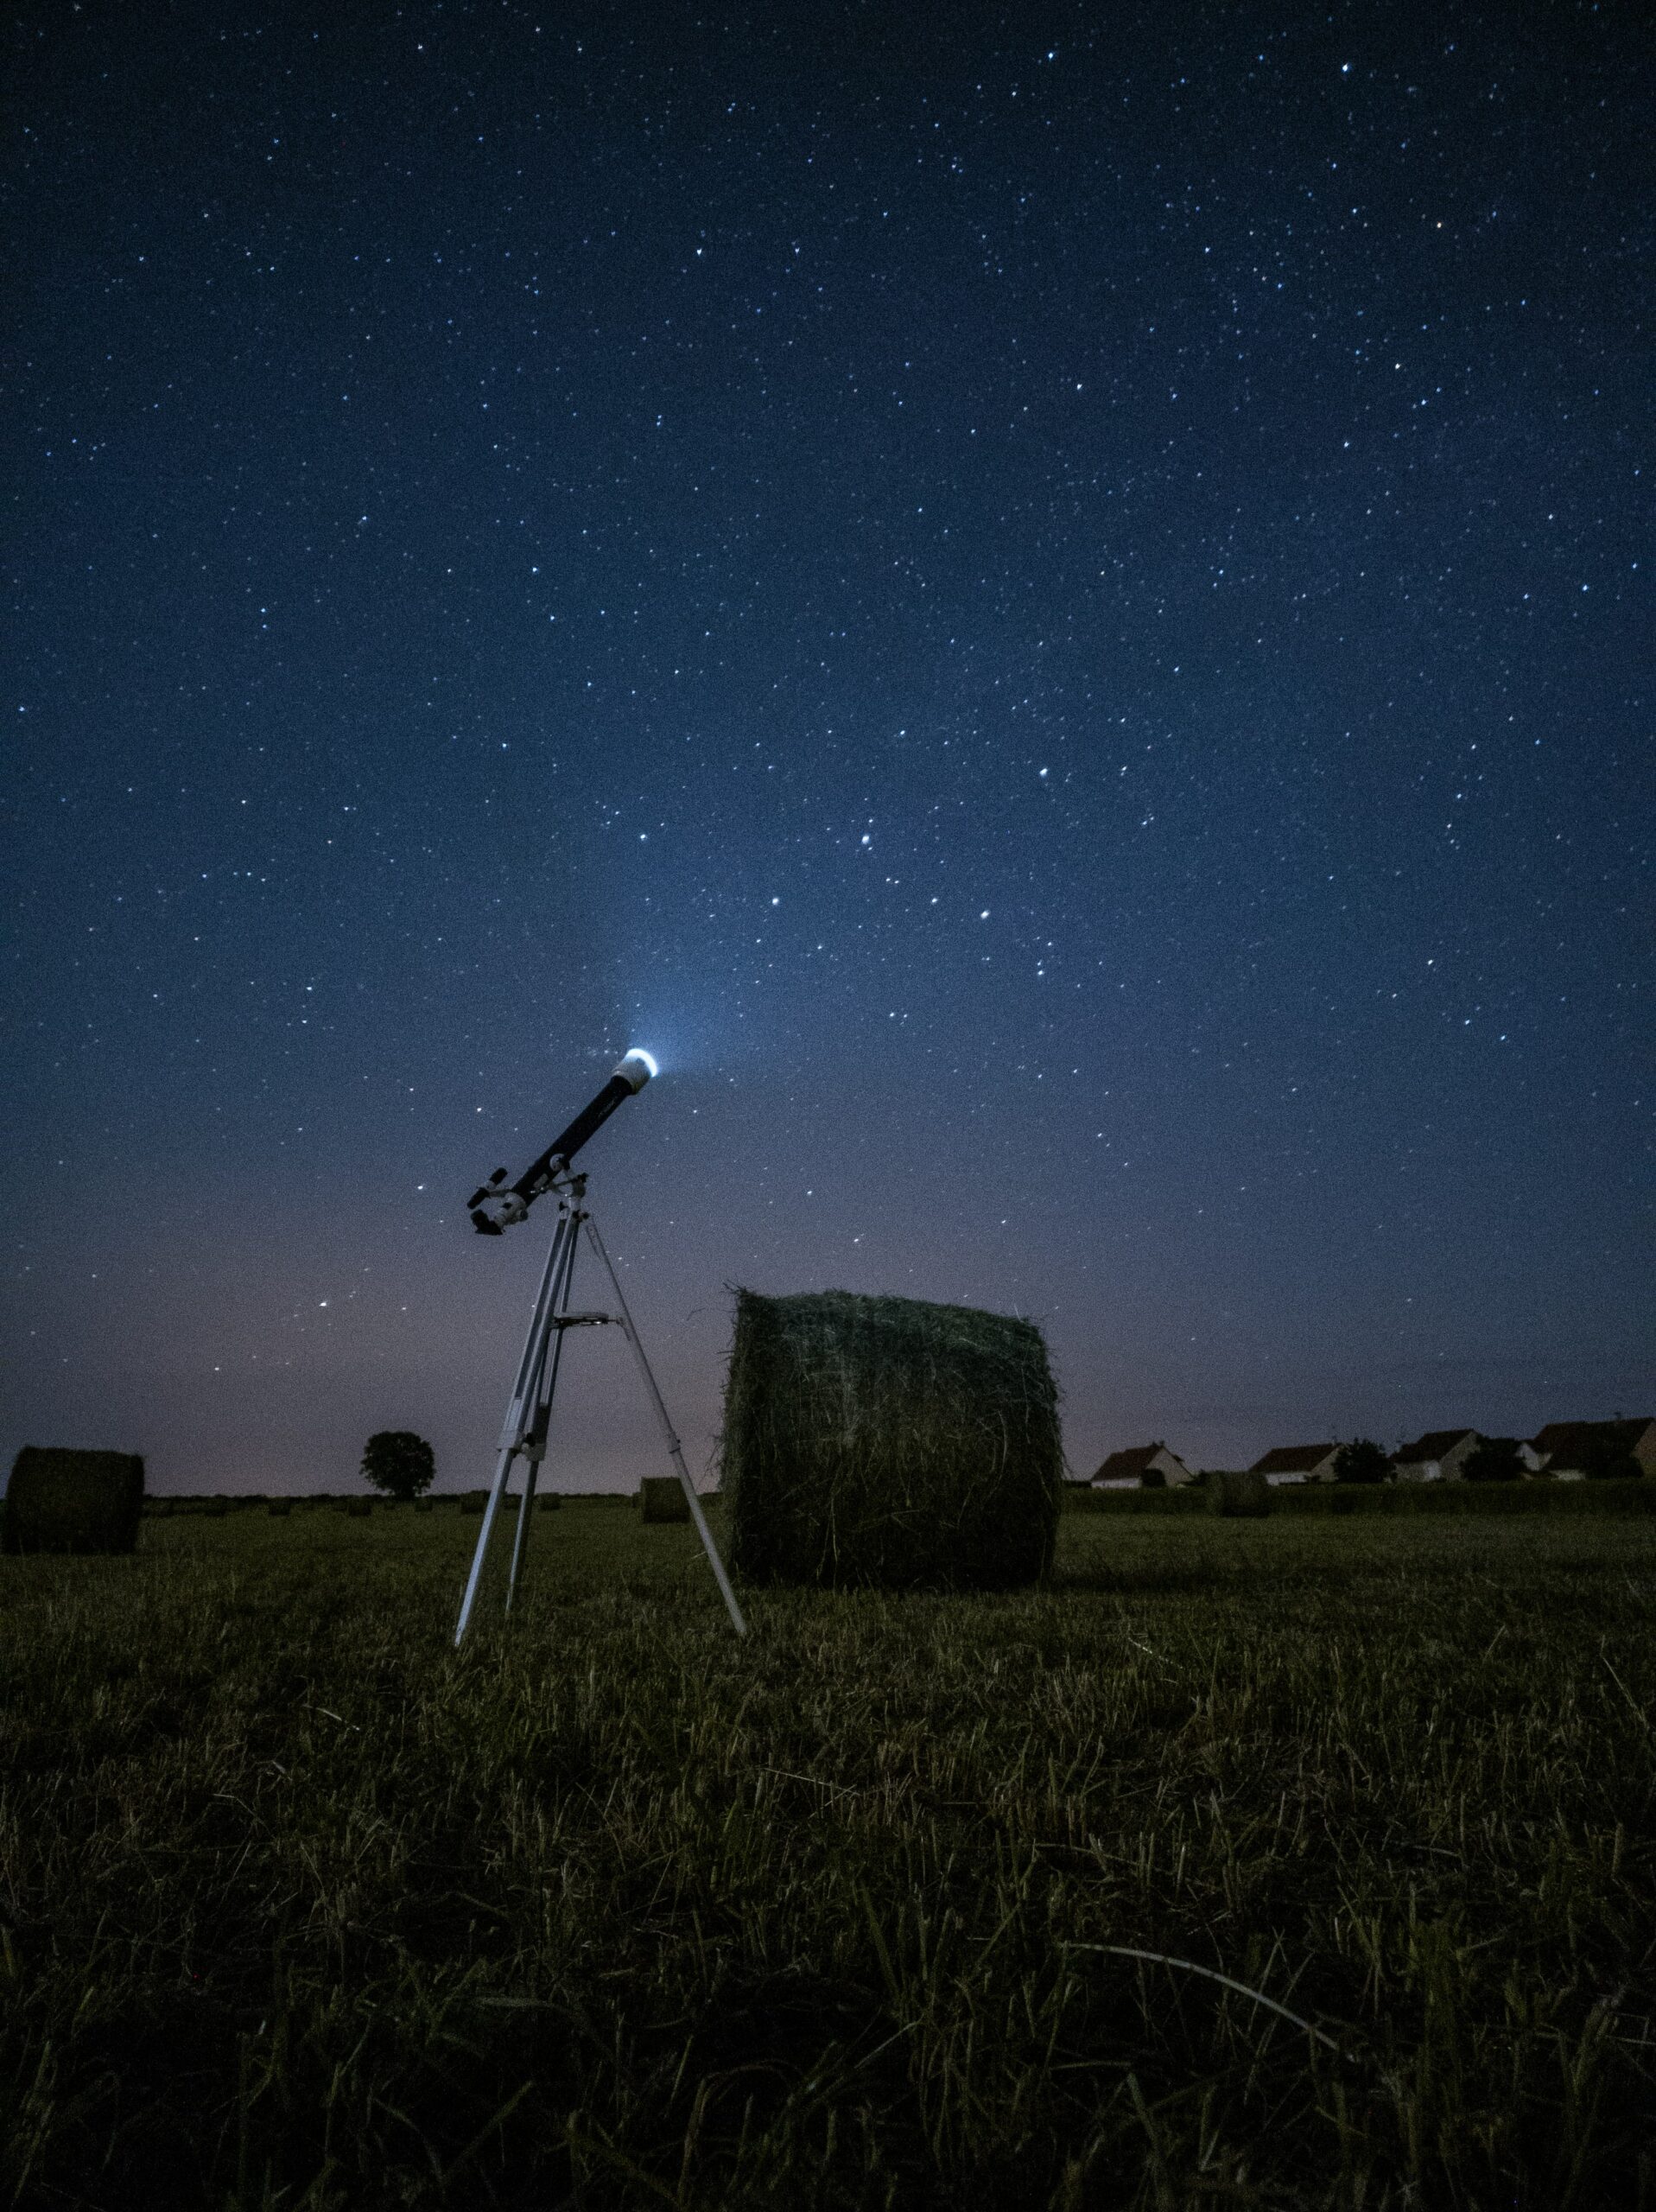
<point x="663" y="1498"/>
<point x="1238" y="1496"/>
<point x="888" y="1441"/>
<point x="74" y="1501"/>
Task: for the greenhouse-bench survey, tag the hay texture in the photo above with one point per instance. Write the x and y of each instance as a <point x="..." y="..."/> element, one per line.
<point x="1242" y="1496"/>
<point x="887" y="1442"/>
<point x="663" y="1498"/>
<point x="74" y="1501"/>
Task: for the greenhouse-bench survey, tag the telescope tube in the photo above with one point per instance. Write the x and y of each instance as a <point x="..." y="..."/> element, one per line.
<point x="498" y="1206"/>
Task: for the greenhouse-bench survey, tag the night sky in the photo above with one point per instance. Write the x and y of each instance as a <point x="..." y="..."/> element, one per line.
<point x="1051" y="606"/>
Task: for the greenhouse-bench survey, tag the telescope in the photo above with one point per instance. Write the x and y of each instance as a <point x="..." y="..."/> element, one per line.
<point x="498" y="1206"/>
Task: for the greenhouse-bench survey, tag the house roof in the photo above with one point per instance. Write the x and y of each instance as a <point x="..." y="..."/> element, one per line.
<point x="1292" y="1459"/>
<point x="1567" y="1439"/>
<point x="1121" y="1464"/>
<point x="1432" y="1445"/>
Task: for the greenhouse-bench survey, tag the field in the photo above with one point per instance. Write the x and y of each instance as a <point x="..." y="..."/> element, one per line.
<point x="300" y="1909"/>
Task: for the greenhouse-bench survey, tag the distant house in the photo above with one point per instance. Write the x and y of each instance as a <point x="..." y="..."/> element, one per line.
<point x="1297" y="1463"/>
<point x="1569" y="1448"/>
<point x="1439" y="1455"/>
<point x="1143" y="1466"/>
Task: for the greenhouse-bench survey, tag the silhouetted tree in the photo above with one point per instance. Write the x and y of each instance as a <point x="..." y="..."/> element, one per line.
<point x="398" y="1462"/>
<point x="1494" y="1459"/>
<point x="1362" y="1461"/>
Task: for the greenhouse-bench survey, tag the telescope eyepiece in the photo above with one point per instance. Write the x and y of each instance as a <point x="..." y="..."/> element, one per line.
<point x="496" y="1213"/>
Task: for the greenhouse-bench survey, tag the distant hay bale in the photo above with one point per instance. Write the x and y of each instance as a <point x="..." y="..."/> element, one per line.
<point x="663" y="1498"/>
<point x="473" y="1501"/>
<point x="280" y="1508"/>
<point x="1244" y="1497"/>
<point x="889" y="1442"/>
<point x="424" y="1505"/>
<point x="357" y="1509"/>
<point x="74" y="1501"/>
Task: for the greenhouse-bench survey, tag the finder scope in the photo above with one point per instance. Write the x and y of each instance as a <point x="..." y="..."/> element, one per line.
<point x="498" y="1205"/>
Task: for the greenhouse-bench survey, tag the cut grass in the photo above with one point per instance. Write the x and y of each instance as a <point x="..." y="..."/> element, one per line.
<point x="300" y="1909"/>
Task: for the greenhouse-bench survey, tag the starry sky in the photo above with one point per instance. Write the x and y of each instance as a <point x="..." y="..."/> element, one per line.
<point x="1051" y="605"/>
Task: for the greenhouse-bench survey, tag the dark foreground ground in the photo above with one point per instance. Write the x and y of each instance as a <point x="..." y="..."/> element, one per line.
<point x="300" y="1909"/>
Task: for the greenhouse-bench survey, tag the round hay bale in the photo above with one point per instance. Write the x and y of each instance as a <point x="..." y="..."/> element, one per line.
<point x="889" y="1442"/>
<point x="663" y="1498"/>
<point x="1245" y="1497"/>
<point x="74" y="1501"/>
<point x="357" y="1509"/>
<point x="280" y="1508"/>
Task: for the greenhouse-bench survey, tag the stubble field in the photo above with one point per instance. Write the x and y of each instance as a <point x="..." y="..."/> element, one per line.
<point x="298" y="1908"/>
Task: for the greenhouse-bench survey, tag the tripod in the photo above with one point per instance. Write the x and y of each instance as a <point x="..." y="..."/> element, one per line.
<point x="529" y="1413"/>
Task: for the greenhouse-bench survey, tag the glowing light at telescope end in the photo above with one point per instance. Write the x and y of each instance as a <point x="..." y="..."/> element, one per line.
<point x="636" y="1068"/>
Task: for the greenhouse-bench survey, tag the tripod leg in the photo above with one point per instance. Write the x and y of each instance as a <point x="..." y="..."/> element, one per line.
<point x="670" y="1435"/>
<point x="520" y="1537"/>
<point x="519" y="1412"/>
<point x="535" y="1446"/>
